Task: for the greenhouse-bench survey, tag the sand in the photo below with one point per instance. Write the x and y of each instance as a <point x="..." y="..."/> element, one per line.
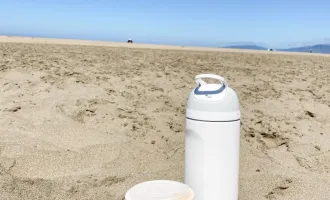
<point x="89" y="121"/>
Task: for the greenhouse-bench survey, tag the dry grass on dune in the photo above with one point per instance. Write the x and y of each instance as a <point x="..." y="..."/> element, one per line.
<point x="84" y="122"/>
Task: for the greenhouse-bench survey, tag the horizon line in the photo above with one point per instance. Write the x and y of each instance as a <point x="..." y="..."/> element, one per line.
<point x="154" y="44"/>
<point x="222" y="45"/>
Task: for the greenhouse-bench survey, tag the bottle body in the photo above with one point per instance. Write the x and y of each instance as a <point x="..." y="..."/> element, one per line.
<point x="212" y="158"/>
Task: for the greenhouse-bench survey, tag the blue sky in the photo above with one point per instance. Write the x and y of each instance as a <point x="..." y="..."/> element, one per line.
<point x="271" y="23"/>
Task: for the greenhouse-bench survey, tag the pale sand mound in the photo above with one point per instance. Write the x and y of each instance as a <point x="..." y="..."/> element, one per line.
<point x="82" y="122"/>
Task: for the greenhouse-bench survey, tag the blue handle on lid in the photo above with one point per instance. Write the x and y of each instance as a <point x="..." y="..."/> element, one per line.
<point x="218" y="91"/>
<point x="200" y="82"/>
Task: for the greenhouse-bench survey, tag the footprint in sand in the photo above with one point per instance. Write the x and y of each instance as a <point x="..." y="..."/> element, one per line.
<point x="13" y="109"/>
<point x="279" y="191"/>
<point x="265" y="134"/>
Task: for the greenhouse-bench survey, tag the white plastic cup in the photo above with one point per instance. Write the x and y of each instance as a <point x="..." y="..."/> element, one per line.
<point x="160" y="190"/>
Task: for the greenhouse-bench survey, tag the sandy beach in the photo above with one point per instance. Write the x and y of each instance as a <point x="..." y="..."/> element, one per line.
<point x="89" y="119"/>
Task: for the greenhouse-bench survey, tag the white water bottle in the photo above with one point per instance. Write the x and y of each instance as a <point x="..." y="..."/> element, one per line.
<point x="212" y="140"/>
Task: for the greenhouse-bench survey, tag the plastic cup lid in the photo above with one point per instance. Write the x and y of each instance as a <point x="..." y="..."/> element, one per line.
<point x="160" y="190"/>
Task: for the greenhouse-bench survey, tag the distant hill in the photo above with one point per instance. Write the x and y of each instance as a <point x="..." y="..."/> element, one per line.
<point x="318" y="48"/>
<point x="251" y="47"/>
